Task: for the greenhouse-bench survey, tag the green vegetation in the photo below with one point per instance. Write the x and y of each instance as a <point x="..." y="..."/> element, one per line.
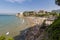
<point x="54" y="30"/>
<point x="36" y="14"/>
<point x="41" y="15"/>
<point x="54" y="14"/>
<point x="57" y="2"/>
<point x="5" y="38"/>
<point x="29" y="13"/>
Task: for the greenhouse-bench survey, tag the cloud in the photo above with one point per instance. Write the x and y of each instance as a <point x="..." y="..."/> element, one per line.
<point x="19" y="1"/>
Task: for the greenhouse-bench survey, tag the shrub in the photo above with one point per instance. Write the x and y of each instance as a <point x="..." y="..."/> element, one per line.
<point x="5" y="38"/>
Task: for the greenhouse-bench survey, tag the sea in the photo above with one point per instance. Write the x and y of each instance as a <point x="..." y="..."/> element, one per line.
<point x="11" y="24"/>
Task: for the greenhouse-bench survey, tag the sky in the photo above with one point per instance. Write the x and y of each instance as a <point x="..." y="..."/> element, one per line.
<point x="15" y="6"/>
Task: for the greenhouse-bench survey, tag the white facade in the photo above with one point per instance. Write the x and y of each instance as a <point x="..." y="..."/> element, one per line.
<point x="47" y="22"/>
<point x="19" y="14"/>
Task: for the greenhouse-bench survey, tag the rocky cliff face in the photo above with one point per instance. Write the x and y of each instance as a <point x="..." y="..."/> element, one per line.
<point x="34" y="33"/>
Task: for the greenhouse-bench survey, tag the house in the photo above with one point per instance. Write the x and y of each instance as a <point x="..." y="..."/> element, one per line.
<point x="49" y="21"/>
<point x="19" y="14"/>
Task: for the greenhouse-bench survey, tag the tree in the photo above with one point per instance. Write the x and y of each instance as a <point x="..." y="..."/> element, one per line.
<point x="57" y="2"/>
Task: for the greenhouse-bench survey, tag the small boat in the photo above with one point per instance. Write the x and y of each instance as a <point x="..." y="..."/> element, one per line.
<point x="7" y="33"/>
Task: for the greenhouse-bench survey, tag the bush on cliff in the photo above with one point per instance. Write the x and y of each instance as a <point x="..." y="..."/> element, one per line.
<point x="54" y="30"/>
<point x="5" y="38"/>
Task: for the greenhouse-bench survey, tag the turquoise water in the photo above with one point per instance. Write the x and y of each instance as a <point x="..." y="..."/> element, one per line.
<point x="10" y="24"/>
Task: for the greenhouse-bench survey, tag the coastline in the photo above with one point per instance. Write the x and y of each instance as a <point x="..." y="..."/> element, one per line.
<point x="33" y="30"/>
<point x="27" y="23"/>
<point x="30" y="23"/>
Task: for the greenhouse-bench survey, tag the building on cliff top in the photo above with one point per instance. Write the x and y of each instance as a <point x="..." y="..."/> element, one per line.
<point x="19" y="14"/>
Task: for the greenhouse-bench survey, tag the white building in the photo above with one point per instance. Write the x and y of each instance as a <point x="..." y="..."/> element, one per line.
<point x="19" y="14"/>
<point x="49" y="21"/>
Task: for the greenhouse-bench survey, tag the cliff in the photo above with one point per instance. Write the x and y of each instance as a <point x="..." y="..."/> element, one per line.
<point x="33" y="33"/>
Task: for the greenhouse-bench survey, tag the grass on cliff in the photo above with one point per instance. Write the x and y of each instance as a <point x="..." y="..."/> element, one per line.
<point x="54" y="30"/>
<point x="3" y="37"/>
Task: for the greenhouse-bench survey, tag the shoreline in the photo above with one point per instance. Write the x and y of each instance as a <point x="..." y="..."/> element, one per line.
<point x="28" y="22"/>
